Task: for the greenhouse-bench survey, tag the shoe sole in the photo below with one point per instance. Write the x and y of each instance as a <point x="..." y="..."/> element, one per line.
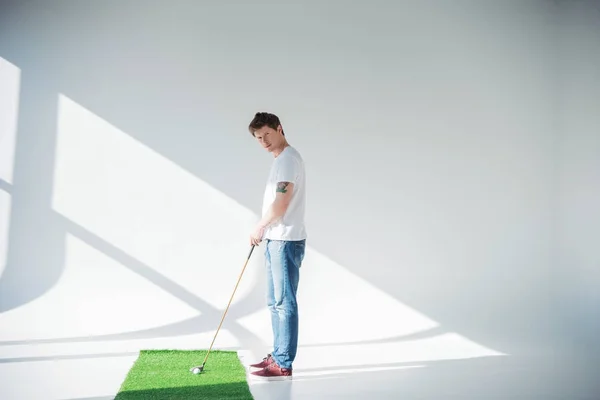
<point x="272" y="378"/>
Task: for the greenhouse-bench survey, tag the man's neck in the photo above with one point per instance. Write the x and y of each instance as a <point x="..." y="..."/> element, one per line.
<point x="280" y="150"/>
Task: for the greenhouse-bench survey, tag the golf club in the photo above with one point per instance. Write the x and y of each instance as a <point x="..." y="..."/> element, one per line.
<point x="198" y="369"/>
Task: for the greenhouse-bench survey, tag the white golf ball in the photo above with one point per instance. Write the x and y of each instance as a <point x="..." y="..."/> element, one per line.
<point x="196" y="371"/>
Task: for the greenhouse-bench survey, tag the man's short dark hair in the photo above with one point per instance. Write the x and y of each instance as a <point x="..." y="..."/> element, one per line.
<point x="264" y="119"/>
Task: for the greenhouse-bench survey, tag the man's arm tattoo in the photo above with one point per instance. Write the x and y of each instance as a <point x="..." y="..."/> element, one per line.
<point x="282" y="187"/>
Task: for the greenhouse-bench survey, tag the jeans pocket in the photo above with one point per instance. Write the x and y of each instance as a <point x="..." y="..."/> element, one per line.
<point x="299" y="250"/>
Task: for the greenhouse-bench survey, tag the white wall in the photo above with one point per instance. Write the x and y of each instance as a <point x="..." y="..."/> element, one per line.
<point x="429" y="133"/>
<point x="578" y="166"/>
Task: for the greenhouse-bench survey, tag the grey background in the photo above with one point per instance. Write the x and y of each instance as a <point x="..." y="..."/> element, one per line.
<point x="452" y="148"/>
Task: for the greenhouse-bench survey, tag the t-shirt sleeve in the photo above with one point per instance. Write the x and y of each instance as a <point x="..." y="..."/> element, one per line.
<point x="288" y="170"/>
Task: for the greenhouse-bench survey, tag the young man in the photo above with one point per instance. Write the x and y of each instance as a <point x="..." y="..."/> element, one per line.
<point x="282" y="228"/>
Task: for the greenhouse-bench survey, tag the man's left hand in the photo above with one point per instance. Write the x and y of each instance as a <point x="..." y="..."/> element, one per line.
<point x="257" y="236"/>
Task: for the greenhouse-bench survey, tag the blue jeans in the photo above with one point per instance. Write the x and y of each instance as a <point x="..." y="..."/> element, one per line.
<point x="283" y="260"/>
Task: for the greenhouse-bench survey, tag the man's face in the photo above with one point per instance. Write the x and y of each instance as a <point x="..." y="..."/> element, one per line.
<point x="269" y="138"/>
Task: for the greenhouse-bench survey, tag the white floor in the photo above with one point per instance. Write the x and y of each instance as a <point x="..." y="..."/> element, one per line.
<point x="94" y="371"/>
<point x="535" y="377"/>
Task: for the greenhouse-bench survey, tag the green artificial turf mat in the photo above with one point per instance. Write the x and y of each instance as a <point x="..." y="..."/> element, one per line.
<point x="165" y="374"/>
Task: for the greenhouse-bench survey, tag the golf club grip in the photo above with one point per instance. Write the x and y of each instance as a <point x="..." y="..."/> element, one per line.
<point x="251" y="250"/>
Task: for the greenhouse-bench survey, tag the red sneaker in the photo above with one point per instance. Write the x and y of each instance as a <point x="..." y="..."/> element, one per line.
<point x="268" y="360"/>
<point x="273" y="373"/>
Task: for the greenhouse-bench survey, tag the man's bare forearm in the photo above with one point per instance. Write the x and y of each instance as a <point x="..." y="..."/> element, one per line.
<point x="274" y="213"/>
<point x="279" y="206"/>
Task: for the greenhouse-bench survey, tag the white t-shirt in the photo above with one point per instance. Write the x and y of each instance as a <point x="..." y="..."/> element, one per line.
<point x="288" y="166"/>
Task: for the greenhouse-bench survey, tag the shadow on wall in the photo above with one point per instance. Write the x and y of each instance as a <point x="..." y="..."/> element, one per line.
<point x="417" y="183"/>
<point x="35" y="242"/>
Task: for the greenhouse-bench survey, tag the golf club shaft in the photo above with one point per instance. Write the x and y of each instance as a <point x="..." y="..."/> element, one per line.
<point x="228" y="304"/>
